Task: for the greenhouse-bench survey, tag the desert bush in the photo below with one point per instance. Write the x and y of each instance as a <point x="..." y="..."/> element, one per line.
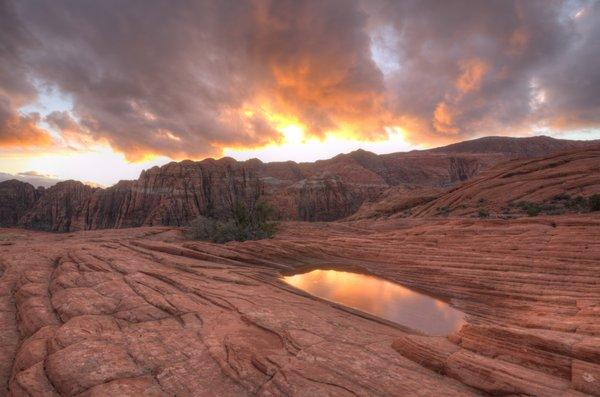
<point x="561" y="197"/>
<point x="594" y="202"/>
<point x="483" y="213"/>
<point x="578" y="203"/>
<point x="552" y="210"/>
<point x="201" y="228"/>
<point x="245" y="223"/>
<point x="532" y="209"/>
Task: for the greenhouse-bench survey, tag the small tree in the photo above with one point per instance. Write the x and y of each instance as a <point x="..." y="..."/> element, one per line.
<point x="245" y="223"/>
<point x="533" y="209"/>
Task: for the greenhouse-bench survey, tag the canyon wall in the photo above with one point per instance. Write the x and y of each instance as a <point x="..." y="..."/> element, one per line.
<point x="16" y="199"/>
<point x="325" y="190"/>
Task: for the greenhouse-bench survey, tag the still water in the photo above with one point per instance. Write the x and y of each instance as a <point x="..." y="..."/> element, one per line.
<point x="382" y="298"/>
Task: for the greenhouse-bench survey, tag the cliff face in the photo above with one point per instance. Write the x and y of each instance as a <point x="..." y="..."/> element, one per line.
<point x="62" y="208"/>
<point x="178" y="192"/>
<point x="16" y="198"/>
<point x="327" y="197"/>
<point x="105" y="205"/>
<point x="324" y="190"/>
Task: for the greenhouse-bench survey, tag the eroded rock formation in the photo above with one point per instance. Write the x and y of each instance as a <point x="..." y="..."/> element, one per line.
<point x="61" y="208"/>
<point x="141" y="311"/>
<point x="324" y="190"/>
<point x="554" y="184"/>
<point x="16" y="199"/>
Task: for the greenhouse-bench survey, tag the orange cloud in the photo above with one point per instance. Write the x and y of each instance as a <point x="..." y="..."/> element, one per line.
<point x="443" y="119"/>
<point x="19" y="131"/>
<point x="219" y="76"/>
<point x="472" y="74"/>
<point x="319" y="70"/>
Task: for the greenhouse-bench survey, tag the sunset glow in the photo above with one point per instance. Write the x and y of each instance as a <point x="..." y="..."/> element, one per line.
<point x="287" y="81"/>
<point x="299" y="197"/>
<point x="382" y="298"/>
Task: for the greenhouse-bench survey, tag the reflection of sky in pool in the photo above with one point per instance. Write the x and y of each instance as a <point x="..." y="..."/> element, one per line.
<point x="382" y="298"/>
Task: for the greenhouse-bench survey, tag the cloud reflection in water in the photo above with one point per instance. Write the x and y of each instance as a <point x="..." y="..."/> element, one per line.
<point x="382" y="298"/>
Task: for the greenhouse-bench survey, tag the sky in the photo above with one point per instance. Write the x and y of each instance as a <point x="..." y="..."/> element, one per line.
<point x="99" y="90"/>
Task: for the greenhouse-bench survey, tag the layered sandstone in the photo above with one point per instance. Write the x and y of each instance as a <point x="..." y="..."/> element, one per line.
<point x="553" y="184"/>
<point x="144" y="312"/>
<point x="16" y="199"/>
<point x="62" y="208"/>
<point x="396" y="201"/>
<point x="324" y="190"/>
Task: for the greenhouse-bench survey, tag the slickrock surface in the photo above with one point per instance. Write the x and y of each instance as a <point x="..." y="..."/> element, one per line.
<point x="141" y="311"/>
<point x="396" y="202"/>
<point x="325" y="190"/>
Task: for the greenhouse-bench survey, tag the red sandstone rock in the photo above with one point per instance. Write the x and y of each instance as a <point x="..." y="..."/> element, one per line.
<point x="61" y="208"/>
<point x="142" y="311"/>
<point x="324" y="190"/>
<point x="552" y="182"/>
<point x="16" y="198"/>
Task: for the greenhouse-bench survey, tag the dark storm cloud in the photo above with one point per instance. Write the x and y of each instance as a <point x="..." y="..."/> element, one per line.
<point x="571" y="85"/>
<point x="175" y="78"/>
<point x="474" y="67"/>
<point x="187" y="78"/>
<point x="15" y="87"/>
<point x="147" y="76"/>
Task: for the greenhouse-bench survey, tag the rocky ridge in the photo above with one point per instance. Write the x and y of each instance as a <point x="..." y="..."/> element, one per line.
<point x="324" y="190"/>
<point x="552" y="184"/>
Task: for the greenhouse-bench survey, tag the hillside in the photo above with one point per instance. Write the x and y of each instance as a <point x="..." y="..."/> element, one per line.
<point x="549" y="185"/>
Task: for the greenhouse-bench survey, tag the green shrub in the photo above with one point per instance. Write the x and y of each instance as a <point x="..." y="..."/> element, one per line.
<point x="561" y="197"/>
<point x="594" y="202"/>
<point x="578" y="203"/>
<point x="552" y="210"/>
<point x="532" y="209"/>
<point x="245" y="223"/>
<point x="201" y="228"/>
<point x="483" y="213"/>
